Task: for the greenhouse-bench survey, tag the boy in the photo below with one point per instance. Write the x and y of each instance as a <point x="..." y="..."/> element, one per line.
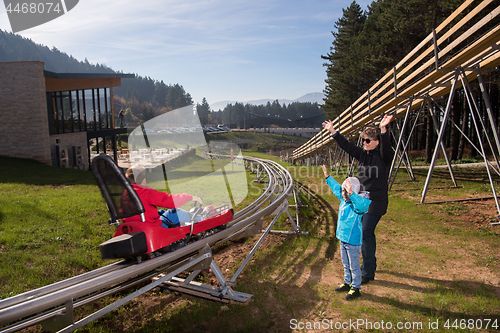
<point x="349" y="230"/>
<point x="152" y="198"/>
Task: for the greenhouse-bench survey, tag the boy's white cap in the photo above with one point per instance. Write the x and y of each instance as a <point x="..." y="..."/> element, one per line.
<point x="355" y="184"/>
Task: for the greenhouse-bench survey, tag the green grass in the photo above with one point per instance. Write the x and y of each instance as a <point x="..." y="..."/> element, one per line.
<point x="255" y="136"/>
<point x="250" y="141"/>
<point x="442" y="161"/>
<point x="51" y="222"/>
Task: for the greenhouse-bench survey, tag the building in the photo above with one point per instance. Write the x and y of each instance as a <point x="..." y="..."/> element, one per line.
<point x="60" y="119"/>
<point x="311" y="121"/>
<point x="258" y="121"/>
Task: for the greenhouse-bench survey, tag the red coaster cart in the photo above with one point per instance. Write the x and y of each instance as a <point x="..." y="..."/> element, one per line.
<point x="144" y="240"/>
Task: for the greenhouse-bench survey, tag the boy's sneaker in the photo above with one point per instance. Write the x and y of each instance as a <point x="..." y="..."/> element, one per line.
<point x="353" y="294"/>
<point x="343" y="287"/>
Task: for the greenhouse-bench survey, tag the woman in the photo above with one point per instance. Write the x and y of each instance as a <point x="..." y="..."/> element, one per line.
<point x="375" y="160"/>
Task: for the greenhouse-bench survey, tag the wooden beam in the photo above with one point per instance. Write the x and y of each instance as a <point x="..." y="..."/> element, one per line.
<point x="80" y="84"/>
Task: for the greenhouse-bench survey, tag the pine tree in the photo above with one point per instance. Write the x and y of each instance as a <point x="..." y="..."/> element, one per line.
<point x="203" y="110"/>
<point x="343" y="69"/>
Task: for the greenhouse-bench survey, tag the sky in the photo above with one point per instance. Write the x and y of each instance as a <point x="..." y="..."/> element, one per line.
<point x="237" y="50"/>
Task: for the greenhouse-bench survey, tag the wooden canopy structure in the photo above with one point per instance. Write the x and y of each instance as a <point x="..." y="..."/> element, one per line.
<point x="452" y="55"/>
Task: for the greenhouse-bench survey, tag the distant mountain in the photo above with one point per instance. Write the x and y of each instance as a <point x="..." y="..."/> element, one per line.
<point x="315" y="97"/>
<point x="220" y="105"/>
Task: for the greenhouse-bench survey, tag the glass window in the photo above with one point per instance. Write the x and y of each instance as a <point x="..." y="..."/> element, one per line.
<point x="81" y="94"/>
<point x="59" y="113"/>
<point x="103" y="116"/>
<point x="89" y="110"/>
<point x="79" y="110"/>
<point x="67" y="116"/>
<point x="107" y="104"/>
<point x="75" y="111"/>
<point x="95" y="108"/>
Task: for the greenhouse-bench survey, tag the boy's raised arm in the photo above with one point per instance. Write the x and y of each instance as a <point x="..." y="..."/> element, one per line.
<point x="360" y="204"/>
<point x="334" y="185"/>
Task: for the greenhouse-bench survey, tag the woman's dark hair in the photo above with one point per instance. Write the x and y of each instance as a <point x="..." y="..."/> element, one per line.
<point x="371" y="132"/>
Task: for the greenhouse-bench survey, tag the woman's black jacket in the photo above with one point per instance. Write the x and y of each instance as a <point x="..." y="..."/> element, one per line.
<point x="373" y="170"/>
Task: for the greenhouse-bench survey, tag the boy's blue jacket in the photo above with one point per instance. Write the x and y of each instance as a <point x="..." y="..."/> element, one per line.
<point x="349" y="228"/>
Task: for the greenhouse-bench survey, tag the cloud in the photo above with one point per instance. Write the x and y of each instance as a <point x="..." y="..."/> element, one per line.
<point x="244" y="46"/>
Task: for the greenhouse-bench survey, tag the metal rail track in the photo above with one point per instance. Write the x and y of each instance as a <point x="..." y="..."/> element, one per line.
<point x="53" y="305"/>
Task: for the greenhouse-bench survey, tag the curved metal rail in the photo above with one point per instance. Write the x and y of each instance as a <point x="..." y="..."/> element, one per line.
<point x="59" y="299"/>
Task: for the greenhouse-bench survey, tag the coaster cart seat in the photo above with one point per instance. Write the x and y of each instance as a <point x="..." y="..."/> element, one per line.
<point x="144" y="239"/>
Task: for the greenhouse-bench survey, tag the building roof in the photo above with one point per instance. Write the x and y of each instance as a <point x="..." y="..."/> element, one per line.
<point x="77" y="81"/>
<point x="53" y="75"/>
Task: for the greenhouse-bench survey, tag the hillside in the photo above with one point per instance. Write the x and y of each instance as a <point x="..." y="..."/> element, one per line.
<point x="149" y="93"/>
<point x="141" y="97"/>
